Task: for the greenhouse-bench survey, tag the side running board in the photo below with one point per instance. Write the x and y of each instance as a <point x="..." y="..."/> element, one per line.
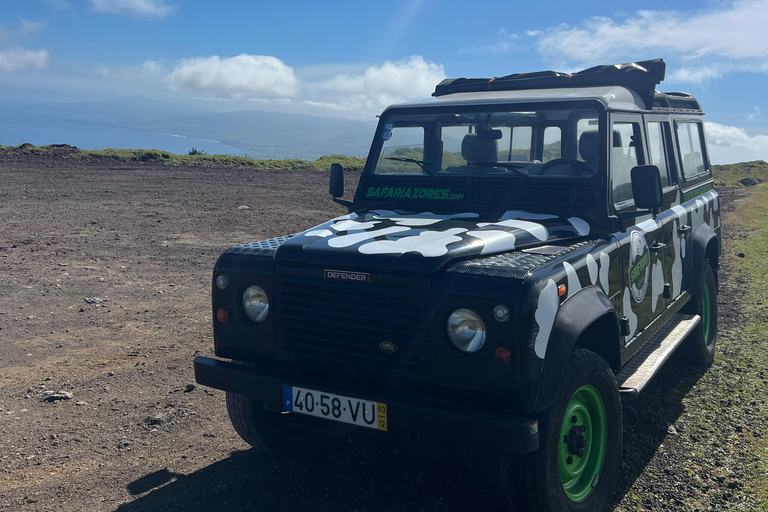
<point x="639" y="370"/>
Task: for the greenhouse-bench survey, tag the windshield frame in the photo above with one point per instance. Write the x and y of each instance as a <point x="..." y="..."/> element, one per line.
<point x="482" y="108"/>
<point x="469" y="184"/>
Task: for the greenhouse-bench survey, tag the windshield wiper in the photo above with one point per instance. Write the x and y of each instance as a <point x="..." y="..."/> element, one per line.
<point x="507" y="166"/>
<point x="420" y="163"/>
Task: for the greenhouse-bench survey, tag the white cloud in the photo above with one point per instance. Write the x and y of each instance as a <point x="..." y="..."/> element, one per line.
<point x="26" y="28"/>
<point x="696" y="75"/>
<point x="733" y="136"/>
<point x="736" y="31"/>
<point x="755" y="114"/>
<point x="379" y="86"/>
<point x="29" y="27"/>
<point x="244" y="76"/>
<point x="19" y="58"/>
<point x="729" y="144"/>
<point x="143" y="8"/>
<point x="151" y="66"/>
<point x="504" y="43"/>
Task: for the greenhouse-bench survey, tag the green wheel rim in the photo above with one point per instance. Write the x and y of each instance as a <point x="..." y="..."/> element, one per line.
<point x="583" y="443"/>
<point x="706" y="315"/>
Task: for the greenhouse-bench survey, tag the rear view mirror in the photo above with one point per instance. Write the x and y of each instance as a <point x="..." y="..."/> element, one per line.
<point x="489" y="134"/>
<point x="646" y="187"/>
<point x="336" y="187"/>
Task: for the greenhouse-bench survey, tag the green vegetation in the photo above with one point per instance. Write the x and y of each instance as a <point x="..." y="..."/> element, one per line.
<point x="199" y="158"/>
<point x="740" y="370"/>
<point x="742" y="174"/>
<point x="732" y="175"/>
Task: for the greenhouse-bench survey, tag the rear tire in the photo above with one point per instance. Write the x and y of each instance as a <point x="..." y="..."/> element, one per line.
<point x="574" y="469"/>
<point x="699" y="347"/>
<point x="273" y="432"/>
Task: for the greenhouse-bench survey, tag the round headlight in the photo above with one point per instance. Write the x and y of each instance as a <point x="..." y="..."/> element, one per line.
<point x="255" y="303"/>
<point x="466" y="330"/>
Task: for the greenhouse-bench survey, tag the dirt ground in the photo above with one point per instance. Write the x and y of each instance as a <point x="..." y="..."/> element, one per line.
<point x="104" y="293"/>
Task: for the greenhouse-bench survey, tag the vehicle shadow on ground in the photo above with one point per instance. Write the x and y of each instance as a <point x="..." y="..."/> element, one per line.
<point x="366" y="471"/>
<point x="357" y="471"/>
<point x="648" y="417"/>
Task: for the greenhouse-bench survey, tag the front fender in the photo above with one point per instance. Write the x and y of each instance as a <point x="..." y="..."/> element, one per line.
<point x="589" y="307"/>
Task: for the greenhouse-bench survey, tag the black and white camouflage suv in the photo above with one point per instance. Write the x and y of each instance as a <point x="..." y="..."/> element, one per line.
<point x="522" y="253"/>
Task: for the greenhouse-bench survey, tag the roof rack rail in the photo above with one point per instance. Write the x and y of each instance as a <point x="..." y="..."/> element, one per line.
<point x="642" y="77"/>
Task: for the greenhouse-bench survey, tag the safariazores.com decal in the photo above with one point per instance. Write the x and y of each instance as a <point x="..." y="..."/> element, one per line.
<point x="431" y="236"/>
<point x="415" y="193"/>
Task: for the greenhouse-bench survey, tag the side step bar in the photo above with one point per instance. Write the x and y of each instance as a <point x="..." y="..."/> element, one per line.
<point x="639" y="370"/>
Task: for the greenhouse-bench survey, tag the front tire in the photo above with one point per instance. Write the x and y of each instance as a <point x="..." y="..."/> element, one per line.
<point x="577" y="462"/>
<point x="273" y="432"/>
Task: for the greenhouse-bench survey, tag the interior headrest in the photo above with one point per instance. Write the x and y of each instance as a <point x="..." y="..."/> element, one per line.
<point x="589" y="146"/>
<point x="474" y="149"/>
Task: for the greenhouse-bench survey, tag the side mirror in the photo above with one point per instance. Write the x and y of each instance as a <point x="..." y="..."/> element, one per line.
<point x="646" y="187"/>
<point x="336" y="187"/>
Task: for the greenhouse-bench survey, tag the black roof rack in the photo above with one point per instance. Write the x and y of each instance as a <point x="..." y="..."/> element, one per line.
<point x="641" y="76"/>
<point x="675" y="101"/>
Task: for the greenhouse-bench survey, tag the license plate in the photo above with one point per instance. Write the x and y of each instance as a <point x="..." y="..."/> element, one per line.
<point x="363" y="413"/>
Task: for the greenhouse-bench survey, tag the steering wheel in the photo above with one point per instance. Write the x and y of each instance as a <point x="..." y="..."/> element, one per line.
<point x="578" y="167"/>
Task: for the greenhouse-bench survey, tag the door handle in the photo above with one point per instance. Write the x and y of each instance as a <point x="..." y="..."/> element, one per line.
<point x="657" y="246"/>
<point x="684" y="229"/>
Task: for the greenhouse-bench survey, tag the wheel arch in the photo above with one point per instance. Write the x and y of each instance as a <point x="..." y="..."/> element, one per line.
<point x="587" y="320"/>
<point x="705" y="246"/>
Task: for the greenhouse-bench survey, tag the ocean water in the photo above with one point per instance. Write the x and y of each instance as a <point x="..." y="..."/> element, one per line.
<point x="41" y="127"/>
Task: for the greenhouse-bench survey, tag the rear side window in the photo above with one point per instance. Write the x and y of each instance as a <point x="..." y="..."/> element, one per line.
<point x="657" y="155"/>
<point x="689" y="138"/>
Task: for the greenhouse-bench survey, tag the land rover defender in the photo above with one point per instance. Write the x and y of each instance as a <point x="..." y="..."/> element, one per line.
<point x="521" y="254"/>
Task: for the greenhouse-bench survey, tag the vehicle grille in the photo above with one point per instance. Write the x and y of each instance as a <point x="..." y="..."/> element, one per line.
<point x="338" y="325"/>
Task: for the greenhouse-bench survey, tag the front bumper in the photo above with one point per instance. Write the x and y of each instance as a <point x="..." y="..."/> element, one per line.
<point x="493" y="430"/>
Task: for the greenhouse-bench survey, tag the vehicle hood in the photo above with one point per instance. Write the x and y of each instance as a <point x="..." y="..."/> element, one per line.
<point x="422" y="242"/>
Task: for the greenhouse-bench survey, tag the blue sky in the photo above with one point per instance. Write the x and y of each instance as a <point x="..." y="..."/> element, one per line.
<point x="351" y="59"/>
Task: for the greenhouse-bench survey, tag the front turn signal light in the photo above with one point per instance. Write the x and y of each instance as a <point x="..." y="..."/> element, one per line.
<point x="222" y="315"/>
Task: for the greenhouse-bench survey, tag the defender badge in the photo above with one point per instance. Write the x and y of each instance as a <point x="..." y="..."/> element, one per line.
<point x="343" y="275"/>
<point x="388" y="347"/>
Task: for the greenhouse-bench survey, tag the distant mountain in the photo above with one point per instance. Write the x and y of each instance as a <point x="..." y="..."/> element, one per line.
<point x="125" y="109"/>
<point x="263" y="134"/>
<point x="152" y="124"/>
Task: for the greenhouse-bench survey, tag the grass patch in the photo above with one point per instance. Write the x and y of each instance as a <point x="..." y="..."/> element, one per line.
<point x="194" y="158"/>
<point x="747" y="352"/>
<point x="734" y="175"/>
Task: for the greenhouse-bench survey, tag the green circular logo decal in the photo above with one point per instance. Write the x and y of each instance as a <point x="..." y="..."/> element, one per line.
<point x="639" y="261"/>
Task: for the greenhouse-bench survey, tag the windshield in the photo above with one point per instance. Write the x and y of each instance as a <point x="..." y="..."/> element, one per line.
<point x="530" y="144"/>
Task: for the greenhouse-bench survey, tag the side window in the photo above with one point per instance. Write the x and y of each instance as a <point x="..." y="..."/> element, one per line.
<point x="519" y="148"/>
<point x="552" y="143"/>
<point x="657" y="154"/>
<point x="624" y="156"/>
<point x="689" y="137"/>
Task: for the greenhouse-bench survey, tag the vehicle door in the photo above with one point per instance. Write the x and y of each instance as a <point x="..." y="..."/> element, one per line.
<point x="697" y="204"/>
<point x="664" y="286"/>
<point x="642" y="243"/>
